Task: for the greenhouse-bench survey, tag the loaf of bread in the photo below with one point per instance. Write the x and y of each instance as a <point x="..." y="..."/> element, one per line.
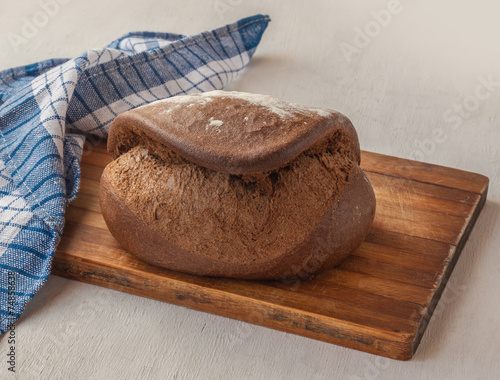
<point x="236" y="185"/>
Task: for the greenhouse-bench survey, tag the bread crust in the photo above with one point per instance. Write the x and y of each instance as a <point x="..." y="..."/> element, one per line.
<point x="237" y="146"/>
<point x="336" y="233"/>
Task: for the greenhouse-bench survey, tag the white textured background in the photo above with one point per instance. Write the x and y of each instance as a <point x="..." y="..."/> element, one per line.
<point x="407" y="92"/>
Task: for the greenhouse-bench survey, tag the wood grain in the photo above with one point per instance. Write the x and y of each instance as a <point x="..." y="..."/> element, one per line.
<point x="379" y="300"/>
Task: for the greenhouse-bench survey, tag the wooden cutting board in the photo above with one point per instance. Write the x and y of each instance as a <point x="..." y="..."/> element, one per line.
<point x="379" y="300"/>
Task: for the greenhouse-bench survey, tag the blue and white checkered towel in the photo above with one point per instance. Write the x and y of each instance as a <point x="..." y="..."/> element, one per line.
<point x="47" y="108"/>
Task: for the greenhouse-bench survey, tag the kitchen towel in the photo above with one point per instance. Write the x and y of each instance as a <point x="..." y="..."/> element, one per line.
<point x="48" y="108"/>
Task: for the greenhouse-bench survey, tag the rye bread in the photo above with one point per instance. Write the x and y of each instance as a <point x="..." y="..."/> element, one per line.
<point x="236" y="185"/>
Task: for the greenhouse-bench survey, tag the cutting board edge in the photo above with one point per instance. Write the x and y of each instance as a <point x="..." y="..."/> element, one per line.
<point x="393" y="345"/>
<point x="449" y="269"/>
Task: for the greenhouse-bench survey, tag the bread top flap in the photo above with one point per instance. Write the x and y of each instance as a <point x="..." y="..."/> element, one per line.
<point x="233" y="132"/>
